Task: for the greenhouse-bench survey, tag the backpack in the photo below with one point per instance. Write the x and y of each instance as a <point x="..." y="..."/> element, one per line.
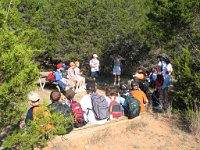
<point x="66" y="111"/>
<point x="115" y="109"/>
<point x="99" y="106"/>
<point x="144" y="86"/>
<point x="51" y="78"/>
<point x="132" y="107"/>
<point x="78" y="114"/>
<point x="159" y="80"/>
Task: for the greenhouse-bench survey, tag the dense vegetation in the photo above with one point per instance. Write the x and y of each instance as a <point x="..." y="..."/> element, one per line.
<point x="43" y="32"/>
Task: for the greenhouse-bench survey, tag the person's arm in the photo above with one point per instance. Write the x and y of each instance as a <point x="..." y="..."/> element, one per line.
<point x="91" y="64"/>
<point x="145" y="100"/>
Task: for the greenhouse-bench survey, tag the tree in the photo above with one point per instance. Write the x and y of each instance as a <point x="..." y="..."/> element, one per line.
<point x="17" y="73"/>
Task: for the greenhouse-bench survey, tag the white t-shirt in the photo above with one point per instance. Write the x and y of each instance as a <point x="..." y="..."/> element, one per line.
<point x="169" y="68"/>
<point x="89" y="117"/>
<point x="77" y="71"/>
<point x="95" y="65"/>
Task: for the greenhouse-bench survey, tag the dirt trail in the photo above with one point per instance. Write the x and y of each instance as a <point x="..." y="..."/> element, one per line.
<point x="150" y="131"/>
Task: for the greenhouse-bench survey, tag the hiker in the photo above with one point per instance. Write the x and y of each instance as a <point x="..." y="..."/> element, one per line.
<point x="94" y="66"/>
<point x="153" y="77"/>
<point x="37" y="112"/>
<point x="72" y="77"/>
<point x="140" y="74"/>
<point x="163" y="90"/>
<point x="76" y="108"/>
<point x="115" y="102"/>
<point x="141" y="77"/>
<point x="78" y="73"/>
<point x="139" y="95"/>
<point x="91" y="115"/>
<point x="162" y="66"/>
<point x="117" y="68"/>
<point x="131" y="105"/>
<point x="64" y="70"/>
<point x="58" y="107"/>
<point x="62" y="82"/>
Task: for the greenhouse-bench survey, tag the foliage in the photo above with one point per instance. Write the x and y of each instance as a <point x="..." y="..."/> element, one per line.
<point x="17" y="73"/>
<point x="74" y="29"/>
<point x="37" y="132"/>
<point x="172" y="21"/>
<point x="188" y="80"/>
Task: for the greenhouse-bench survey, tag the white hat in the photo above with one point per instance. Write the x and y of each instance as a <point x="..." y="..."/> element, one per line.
<point x="95" y="55"/>
<point x="34" y="97"/>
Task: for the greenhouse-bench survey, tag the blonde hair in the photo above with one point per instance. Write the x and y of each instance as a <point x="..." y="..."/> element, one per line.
<point x="77" y="63"/>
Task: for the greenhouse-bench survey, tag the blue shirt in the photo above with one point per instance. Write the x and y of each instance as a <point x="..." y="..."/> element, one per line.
<point x="58" y="75"/>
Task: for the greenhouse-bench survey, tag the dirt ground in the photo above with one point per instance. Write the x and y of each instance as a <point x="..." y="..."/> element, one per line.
<point x="149" y="131"/>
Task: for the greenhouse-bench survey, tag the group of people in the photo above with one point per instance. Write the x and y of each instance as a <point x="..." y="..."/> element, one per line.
<point x="119" y="100"/>
<point x="93" y="108"/>
<point x="159" y="79"/>
<point x="70" y="77"/>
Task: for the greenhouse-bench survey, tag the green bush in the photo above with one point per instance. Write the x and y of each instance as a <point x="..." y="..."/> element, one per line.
<point x="36" y="133"/>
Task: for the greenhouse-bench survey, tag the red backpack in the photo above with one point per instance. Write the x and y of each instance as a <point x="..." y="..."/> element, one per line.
<point x="115" y="109"/>
<point x="159" y="80"/>
<point x="51" y="78"/>
<point x="78" y="114"/>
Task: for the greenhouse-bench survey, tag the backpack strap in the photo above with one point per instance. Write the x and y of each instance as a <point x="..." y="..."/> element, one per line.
<point x="115" y="97"/>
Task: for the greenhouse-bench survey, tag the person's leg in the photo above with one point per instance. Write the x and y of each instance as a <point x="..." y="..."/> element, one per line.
<point x="62" y="85"/>
<point x="165" y="98"/>
<point x="118" y="74"/>
<point x="118" y="80"/>
<point x="77" y="85"/>
<point x="161" y="97"/>
<point x="115" y="79"/>
<point x="93" y="77"/>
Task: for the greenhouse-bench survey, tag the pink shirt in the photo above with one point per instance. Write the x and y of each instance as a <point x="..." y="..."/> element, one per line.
<point x="71" y="74"/>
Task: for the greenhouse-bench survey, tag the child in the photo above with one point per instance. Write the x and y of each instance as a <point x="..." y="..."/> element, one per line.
<point x="78" y="73"/>
<point x="76" y="108"/>
<point x="73" y="77"/>
<point x="115" y="102"/>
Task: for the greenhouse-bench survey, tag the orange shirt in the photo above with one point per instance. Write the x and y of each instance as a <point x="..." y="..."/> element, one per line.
<point x="141" y="96"/>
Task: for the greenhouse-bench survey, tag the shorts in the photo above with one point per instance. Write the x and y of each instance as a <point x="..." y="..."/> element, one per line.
<point x="116" y="70"/>
<point x="94" y="74"/>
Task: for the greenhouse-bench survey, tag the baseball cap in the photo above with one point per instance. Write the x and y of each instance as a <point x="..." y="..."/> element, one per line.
<point x="95" y="55"/>
<point x="90" y="86"/>
<point x="34" y="97"/>
<point x="64" y="65"/>
<point x="59" y="66"/>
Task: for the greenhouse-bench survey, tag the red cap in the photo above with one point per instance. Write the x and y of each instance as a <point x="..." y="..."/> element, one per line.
<point x="59" y="66"/>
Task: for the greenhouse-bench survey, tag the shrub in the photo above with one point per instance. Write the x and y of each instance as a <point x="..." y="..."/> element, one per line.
<point x="36" y="133"/>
